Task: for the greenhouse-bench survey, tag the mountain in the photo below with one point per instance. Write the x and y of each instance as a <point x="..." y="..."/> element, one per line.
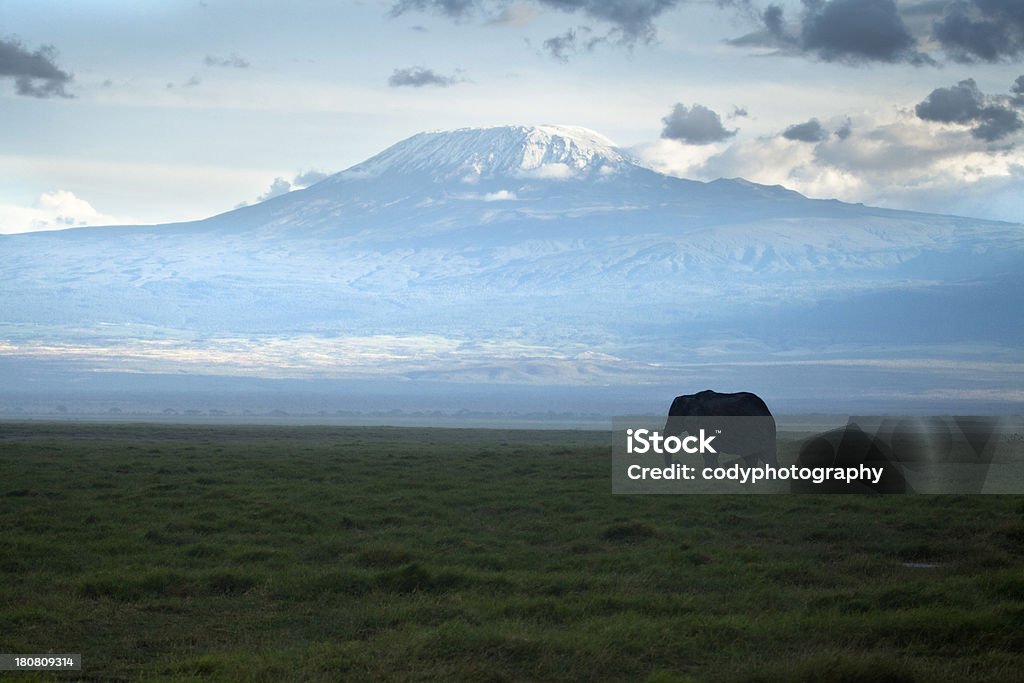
<point x="535" y="254"/>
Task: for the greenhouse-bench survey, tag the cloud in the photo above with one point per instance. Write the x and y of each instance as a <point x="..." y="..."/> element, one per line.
<point x="573" y="41"/>
<point x="696" y="125"/>
<point x="1018" y="91"/>
<point x="231" y="61"/>
<point x="561" y="46"/>
<point x="965" y="104"/>
<point x="774" y="21"/>
<point x="958" y="104"/>
<point x="982" y="30"/>
<point x="308" y="178"/>
<point x="455" y="9"/>
<point x="518" y="14"/>
<point x="418" y="76"/>
<point x="852" y="32"/>
<point x="629" y="21"/>
<point x="35" y="74"/>
<point x="898" y="161"/>
<point x="192" y="82"/>
<point x="552" y="171"/>
<point x="890" y="149"/>
<point x="57" y="210"/>
<point x="996" y="123"/>
<point x="844" y="131"/>
<point x="890" y="31"/>
<point x="857" y="31"/>
<point x="809" y="131"/>
<point x="280" y="186"/>
<point x="773" y="33"/>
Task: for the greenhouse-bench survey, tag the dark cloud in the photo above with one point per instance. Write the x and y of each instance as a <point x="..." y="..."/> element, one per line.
<point x="844" y="131"/>
<point x="982" y="30"/>
<point x="927" y="9"/>
<point x="696" y="125"/>
<point x="35" y="74"/>
<point x="774" y="23"/>
<point x="857" y="31"/>
<point x="991" y="118"/>
<point x="418" y="76"/>
<point x="739" y="113"/>
<point x="961" y="103"/>
<point x="773" y="32"/>
<point x="561" y="46"/>
<point x="232" y="60"/>
<point x="920" y="16"/>
<point x="630" y="21"/>
<point x="996" y="122"/>
<point x="456" y="9"/>
<point x="190" y="83"/>
<point x="574" y="40"/>
<point x="864" y="31"/>
<point x="847" y="31"/>
<point x="1018" y="91"/>
<point x="809" y="131"/>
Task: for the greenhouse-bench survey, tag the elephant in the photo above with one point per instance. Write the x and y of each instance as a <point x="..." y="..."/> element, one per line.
<point x="742" y="423"/>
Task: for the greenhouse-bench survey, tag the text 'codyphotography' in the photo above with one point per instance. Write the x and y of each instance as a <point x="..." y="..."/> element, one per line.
<point x="815" y="454"/>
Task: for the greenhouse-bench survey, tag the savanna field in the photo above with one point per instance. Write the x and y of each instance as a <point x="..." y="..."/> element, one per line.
<point x="177" y="553"/>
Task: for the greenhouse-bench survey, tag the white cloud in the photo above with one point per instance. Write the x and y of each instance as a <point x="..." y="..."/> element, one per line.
<point x="56" y="210"/>
<point x="500" y="195"/>
<point x="896" y="161"/>
<point x="552" y="171"/>
<point x="674" y="157"/>
<point x="149" y="193"/>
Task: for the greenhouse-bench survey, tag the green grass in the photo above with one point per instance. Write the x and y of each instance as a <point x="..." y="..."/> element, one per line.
<point x="273" y="554"/>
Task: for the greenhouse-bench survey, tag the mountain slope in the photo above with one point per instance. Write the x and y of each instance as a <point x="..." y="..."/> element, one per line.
<point x="520" y="254"/>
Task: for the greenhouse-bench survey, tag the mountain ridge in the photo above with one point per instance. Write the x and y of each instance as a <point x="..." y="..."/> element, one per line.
<point x="410" y="268"/>
<point x="500" y="165"/>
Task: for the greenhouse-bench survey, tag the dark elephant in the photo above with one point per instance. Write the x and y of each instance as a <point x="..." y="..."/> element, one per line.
<point x="741" y="422"/>
<point x="850" y="446"/>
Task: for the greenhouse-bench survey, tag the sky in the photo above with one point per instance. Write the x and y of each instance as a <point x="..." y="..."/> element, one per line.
<point x="145" y="111"/>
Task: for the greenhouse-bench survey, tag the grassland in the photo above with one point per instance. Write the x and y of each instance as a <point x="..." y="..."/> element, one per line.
<point x="324" y="554"/>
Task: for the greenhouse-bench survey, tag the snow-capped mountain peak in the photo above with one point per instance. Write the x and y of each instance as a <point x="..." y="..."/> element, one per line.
<point x="472" y="154"/>
<point x="470" y="257"/>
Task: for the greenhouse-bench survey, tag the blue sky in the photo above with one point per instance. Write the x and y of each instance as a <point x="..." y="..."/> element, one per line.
<point x="149" y="112"/>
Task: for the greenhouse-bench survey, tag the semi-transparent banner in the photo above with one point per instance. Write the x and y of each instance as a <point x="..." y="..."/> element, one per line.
<point x="813" y="454"/>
